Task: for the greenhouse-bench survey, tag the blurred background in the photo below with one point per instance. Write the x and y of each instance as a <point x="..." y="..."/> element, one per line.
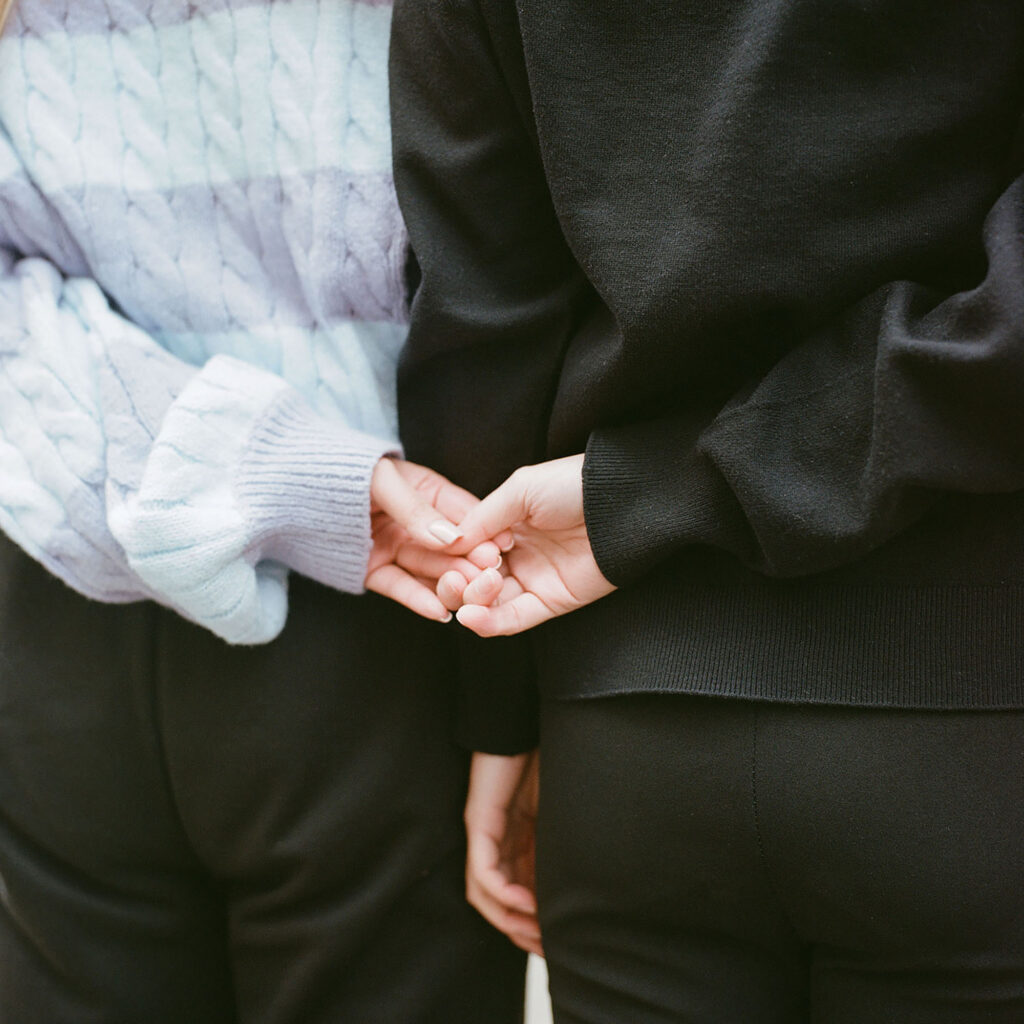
<point x="538" y="1006"/>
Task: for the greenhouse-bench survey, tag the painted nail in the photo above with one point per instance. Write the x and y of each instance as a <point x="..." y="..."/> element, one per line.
<point x="444" y="531"/>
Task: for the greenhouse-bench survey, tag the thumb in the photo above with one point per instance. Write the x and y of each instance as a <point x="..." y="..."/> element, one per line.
<point x="502" y="509"/>
<point x="395" y="496"/>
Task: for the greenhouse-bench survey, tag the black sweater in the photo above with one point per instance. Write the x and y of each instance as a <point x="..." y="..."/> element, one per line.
<point x="765" y="263"/>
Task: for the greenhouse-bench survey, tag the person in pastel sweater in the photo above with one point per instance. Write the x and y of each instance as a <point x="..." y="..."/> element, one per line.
<point x="202" y="301"/>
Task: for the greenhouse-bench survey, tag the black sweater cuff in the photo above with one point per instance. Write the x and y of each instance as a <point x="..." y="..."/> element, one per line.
<point x="648" y="492"/>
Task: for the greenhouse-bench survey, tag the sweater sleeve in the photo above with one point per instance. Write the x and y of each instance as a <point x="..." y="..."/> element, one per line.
<point x="494" y="305"/>
<point x="846" y="441"/>
<point x="850" y="438"/>
<point x="131" y="474"/>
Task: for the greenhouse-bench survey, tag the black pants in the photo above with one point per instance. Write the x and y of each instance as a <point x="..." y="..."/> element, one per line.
<point x="706" y="860"/>
<point x="193" y="833"/>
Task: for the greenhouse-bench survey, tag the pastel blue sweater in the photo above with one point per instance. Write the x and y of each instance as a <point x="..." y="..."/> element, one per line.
<point x="201" y="297"/>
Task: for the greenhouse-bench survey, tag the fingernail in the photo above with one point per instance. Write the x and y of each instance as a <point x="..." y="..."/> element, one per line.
<point x="497" y="564"/>
<point x="447" y="618"/>
<point x="508" y="545"/>
<point x="444" y="531"/>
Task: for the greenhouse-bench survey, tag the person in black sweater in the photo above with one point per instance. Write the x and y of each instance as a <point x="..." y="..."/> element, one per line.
<point x="743" y="285"/>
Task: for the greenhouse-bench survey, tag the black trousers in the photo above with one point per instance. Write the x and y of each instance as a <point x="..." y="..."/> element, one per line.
<point x="719" y="861"/>
<point x="193" y="833"/>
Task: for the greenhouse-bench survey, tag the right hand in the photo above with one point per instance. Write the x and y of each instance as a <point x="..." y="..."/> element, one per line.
<point x="550" y="571"/>
<point x="501" y="819"/>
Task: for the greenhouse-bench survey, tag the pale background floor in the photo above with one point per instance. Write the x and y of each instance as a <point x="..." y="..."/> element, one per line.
<point x="538" y="1008"/>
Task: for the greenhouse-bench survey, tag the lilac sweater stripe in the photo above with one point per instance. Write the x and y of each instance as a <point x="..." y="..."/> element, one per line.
<point x="105" y="16"/>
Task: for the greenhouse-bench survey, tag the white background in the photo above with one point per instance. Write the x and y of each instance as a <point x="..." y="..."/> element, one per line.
<point x="538" y="1008"/>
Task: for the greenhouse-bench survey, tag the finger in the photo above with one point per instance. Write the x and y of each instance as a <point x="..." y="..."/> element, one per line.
<point x="522" y="899"/>
<point x="503" y="619"/>
<point x="395" y="583"/>
<point x="537" y="947"/>
<point x="485" y="589"/>
<point x="509" y="907"/>
<point x="482" y="868"/>
<point x="396" y="496"/>
<point x="513" y="898"/>
<point x="486" y="556"/>
<point x="448" y="498"/>
<point x="520" y="928"/>
<point x="433" y="564"/>
<point x="496" y="514"/>
<point x="450" y="588"/>
<point x="456" y="503"/>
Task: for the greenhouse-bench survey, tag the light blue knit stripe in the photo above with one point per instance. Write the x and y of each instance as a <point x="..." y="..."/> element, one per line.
<point x="29" y="225"/>
<point x="238" y="95"/>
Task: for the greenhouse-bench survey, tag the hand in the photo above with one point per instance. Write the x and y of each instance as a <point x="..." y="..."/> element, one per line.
<point x="501" y="818"/>
<point x="551" y="569"/>
<point x="412" y="509"/>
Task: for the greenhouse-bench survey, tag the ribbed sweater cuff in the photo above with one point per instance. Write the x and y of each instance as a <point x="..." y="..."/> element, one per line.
<point x="304" y="484"/>
<point x="647" y="495"/>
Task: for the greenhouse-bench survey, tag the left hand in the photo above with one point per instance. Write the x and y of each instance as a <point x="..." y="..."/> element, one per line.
<point x="413" y="512"/>
<point x="501" y="818"/>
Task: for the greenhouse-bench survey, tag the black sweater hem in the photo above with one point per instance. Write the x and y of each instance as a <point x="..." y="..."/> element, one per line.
<point x="934" y="646"/>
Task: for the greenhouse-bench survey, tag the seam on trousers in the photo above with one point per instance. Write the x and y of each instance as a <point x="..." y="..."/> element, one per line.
<point x="762" y="853"/>
<point x="157" y="680"/>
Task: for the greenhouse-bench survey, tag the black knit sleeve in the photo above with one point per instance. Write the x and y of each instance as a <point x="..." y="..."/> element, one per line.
<point x="846" y="441"/>
<point x="495" y="296"/>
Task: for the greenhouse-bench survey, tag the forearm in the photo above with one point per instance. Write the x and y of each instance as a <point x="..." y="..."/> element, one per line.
<point x="132" y="474"/>
<point x="846" y="441"/>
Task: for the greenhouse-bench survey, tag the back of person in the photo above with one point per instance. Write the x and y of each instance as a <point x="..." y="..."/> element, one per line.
<point x="201" y="308"/>
<point x="751" y="277"/>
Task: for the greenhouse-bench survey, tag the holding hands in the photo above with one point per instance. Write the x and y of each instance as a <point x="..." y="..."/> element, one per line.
<point x="413" y="512"/>
<point x="536" y="517"/>
<point x="422" y="559"/>
<point x="549" y="571"/>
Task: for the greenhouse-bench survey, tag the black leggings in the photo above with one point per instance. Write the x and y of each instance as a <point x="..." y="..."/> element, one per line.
<point x="707" y="860"/>
<point x="197" y="834"/>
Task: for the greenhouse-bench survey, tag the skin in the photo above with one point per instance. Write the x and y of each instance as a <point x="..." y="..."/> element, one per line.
<point x="551" y="569"/>
<point x="501" y="813"/>
<point x="423" y="560"/>
<point x="413" y="512"/>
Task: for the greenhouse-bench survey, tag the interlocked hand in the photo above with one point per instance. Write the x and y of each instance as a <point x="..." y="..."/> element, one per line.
<point x="551" y="568"/>
<point x="413" y="512"/>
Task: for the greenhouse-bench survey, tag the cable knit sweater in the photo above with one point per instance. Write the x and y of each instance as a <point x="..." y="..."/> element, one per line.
<point x="201" y="297"/>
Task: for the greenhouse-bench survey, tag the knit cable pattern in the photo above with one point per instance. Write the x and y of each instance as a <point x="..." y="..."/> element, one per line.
<point x="201" y="297"/>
